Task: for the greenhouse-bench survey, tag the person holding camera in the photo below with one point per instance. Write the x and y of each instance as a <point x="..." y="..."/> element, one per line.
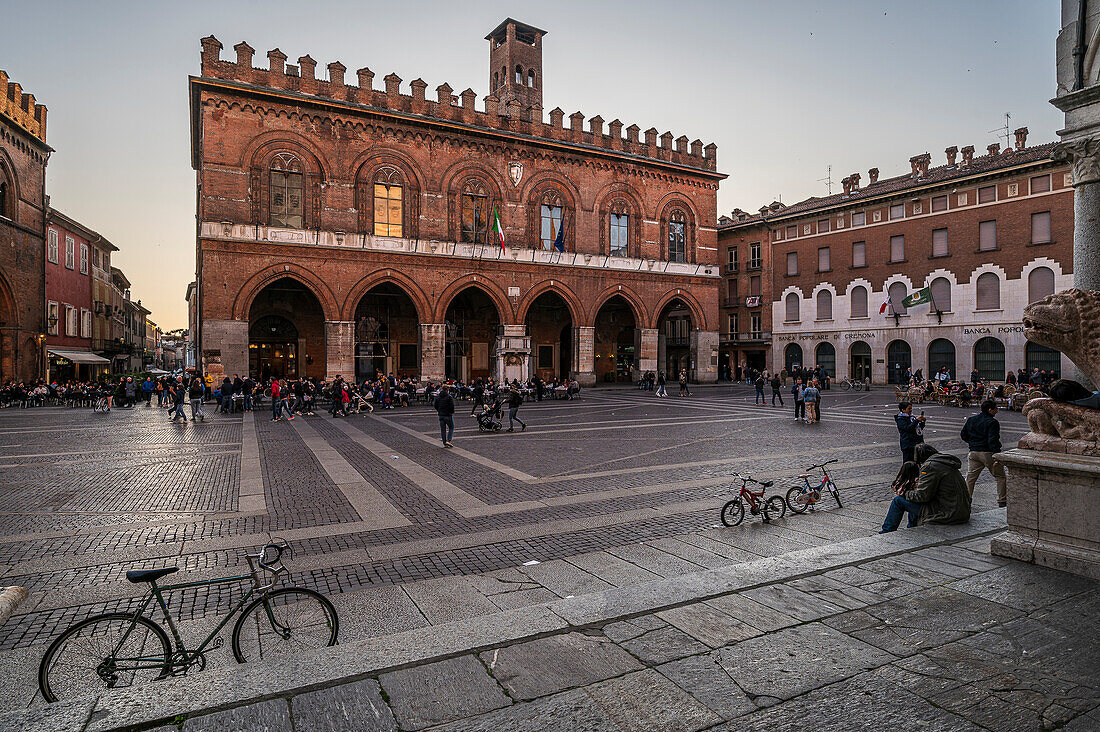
<point x="910" y="429"/>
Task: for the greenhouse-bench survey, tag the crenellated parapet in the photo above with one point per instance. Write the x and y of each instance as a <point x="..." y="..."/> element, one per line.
<point x="510" y="116"/>
<point x="21" y="108"/>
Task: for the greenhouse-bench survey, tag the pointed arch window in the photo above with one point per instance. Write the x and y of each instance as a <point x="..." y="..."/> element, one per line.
<point x="389" y="204"/>
<point x="677" y="236"/>
<point x="619" y="229"/>
<point x="286" y="191"/>
<point x="551" y="213"/>
<point x="475" y="212"/>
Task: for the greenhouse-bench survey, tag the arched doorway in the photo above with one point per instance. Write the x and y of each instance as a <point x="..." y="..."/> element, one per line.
<point x="387" y="333"/>
<point x="471" y="325"/>
<point x="989" y="359"/>
<point x="899" y="358"/>
<point x="792" y="357"/>
<point x="825" y="357"/>
<point x="941" y="352"/>
<point x="860" y="365"/>
<point x="550" y="327"/>
<point x="615" y="358"/>
<point x="286" y="332"/>
<point x="674" y="333"/>
<point x="1045" y="359"/>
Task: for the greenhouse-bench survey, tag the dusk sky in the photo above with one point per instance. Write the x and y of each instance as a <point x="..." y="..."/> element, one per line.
<point x="784" y="89"/>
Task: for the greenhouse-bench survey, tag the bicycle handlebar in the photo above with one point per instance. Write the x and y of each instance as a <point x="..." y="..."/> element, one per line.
<point x="822" y="465"/>
<point x="278" y="548"/>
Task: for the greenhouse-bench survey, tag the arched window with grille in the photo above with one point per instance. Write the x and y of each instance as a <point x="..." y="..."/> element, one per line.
<point x="4" y="197"/>
<point x="792" y="356"/>
<point x="476" y="212"/>
<point x="941" y="294"/>
<point x="859" y="301"/>
<point x="1043" y="358"/>
<point x="791" y="302"/>
<point x="989" y="359"/>
<point x="1040" y="283"/>
<point x="389" y="204"/>
<point x="897" y="293"/>
<point x="677" y="236"/>
<point x="618" y="235"/>
<point x="519" y="74"/>
<point x="988" y="292"/>
<point x="941" y="352"/>
<point x="551" y="216"/>
<point x="531" y="78"/>
<point x="825" y="357"/>
<point x="824" y="305"/>
<point x="287" y="206"/>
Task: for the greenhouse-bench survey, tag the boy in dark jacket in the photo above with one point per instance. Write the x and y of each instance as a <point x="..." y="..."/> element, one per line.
<point x="910" y="429"/>
<point x="445" y="407"/>
<point x="940" y="496"/>
<point x="982" y="434"/>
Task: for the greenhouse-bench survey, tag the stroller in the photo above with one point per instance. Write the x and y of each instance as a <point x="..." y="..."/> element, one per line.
<point x="491" y="417"/>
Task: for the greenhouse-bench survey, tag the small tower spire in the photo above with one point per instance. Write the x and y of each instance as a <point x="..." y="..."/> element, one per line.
<point x="515" y="63"/>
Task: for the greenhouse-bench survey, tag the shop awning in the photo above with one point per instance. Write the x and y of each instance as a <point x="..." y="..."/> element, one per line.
<point x="78" y="356"/>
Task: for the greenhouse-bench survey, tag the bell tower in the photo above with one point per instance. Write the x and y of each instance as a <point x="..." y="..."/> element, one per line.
<point x="515" y="63"/>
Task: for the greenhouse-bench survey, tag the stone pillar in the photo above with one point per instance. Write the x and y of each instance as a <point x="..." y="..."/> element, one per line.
<point x="584" y="352"/>
<point x="704" y="356"/>
<point x="224" y="348"/>
<point x="645" y="349"/>
<point x="662" y="354"/>
<point x="432" y="351"/>
<point x="340" y="349"/>
<point x="512" y="351"/>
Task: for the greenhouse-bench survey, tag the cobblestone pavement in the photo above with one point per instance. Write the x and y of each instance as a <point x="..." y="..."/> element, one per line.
<point x="615" y="488"/>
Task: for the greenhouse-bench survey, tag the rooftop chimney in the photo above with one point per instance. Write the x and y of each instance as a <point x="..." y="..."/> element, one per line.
<point x="968" y="155"/>
<point x="847" y="183"/>
<point x="1021" y="138"/>
<point x="994" y="149"/>
<point x="951" y="153"/>
<point x="854" y="177"/>
<point x="873" y="175"/>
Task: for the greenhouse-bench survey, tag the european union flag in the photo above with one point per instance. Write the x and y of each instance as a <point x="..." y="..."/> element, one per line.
<point x="559" y="242"/>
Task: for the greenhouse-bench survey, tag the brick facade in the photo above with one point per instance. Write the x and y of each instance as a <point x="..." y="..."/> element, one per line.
<point x="1005" y="218"/>
<point x="295" y="232"/>
<point x="23" y="158"/>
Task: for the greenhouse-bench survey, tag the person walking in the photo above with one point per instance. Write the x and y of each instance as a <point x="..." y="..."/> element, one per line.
<point x="147" y="387"/>
<point x="195" y="392"/>
<point x="276" y="393"/>
<point x="445" y="407"/>
<point x="777" y="390"/>
<point x="939" y="496"/>
<point x="910" y="430"/>
<point x="660" y="385"/>
<point x="811" y="396"/>
<point x="515" y="401"/>
<point x="982" y="434"/>
<point x="684" y="383"/>
<point x="247" y="387"/>
<point x="178" y="395"/>
<point x="798" y="392"/>
<point x="759" y="384"/>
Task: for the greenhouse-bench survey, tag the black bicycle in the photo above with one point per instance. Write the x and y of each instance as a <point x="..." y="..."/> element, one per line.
<point x="117" y="650"/>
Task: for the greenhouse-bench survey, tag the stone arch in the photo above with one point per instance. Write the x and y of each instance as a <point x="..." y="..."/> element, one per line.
<point x="606" y="199"/>
<point x="11" y="186"/>
<point x="257" y="282"/>
<point x="452" y="183"/>
<point x="443" y="301"/>
<point x="576" y="310"/>
<point x="540" y="186"/>
<point x="265" y="144"/>
<point x="376" y="163"/>
<point x="378" y="277"/>
<point x="637" y="308"/>
<point x="314" y="173"/>
<point x="698" y="317"/>
<point x="674" y="204"/>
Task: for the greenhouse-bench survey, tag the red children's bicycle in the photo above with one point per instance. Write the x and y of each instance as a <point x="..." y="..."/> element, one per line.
<point x="733" y="513"/>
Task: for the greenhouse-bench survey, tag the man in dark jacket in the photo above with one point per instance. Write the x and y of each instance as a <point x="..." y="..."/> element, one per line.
<point x="940" y="496"/>
<point x="910" y="429"/>
<point x="982" y="434"/>
<point x="777" y="385"/>
<point x="445" y="407"/>
<point x="515" y="401"/>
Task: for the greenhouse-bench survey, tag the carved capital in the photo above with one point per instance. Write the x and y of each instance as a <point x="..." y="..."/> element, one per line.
<point x="1084" y="155"/>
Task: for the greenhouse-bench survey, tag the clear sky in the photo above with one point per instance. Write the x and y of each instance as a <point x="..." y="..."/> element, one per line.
<point x="783" y="88"/>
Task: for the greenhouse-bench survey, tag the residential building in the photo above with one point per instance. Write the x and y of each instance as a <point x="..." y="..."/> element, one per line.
<point x="744" y="246"/>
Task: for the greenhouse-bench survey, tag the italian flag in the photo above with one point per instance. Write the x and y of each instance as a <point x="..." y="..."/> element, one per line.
<point x="885" y="304"/>
<point x="498" y="228"/>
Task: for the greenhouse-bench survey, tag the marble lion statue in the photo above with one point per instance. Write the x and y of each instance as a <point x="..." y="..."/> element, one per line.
<point x="1069" y="322"/>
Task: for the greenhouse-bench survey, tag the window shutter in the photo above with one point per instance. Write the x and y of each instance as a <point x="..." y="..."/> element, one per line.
<point x="1040" y="227"/>
<point x="754" y="286"/>
<point x="987" y="235"/>
<point x="792" y="263"/>
<point x="859" y="302"/>
<point x="859" y="254"/>
<point x="792" y="307"/>
<point x="859" y="218"/>
<point x="824" y="305"/>
<point x="941" y="294"/>
<point x="1040" y="283"/>
<point x="987" y="194"/>
<point x="823" y="260"/>
<point x="897" y="248"/>
<point x="1040" y="184"/>
<point x="939" y="203"/>
<point x="988" y="292"/>
<point x="822" y="226"/>
<point x="939" y="242"/>
<point x="897" y="294"/>
<point x="897" y="211"/>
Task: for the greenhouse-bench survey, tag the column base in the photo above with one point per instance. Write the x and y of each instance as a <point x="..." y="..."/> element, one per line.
<point x="586" y="379"/>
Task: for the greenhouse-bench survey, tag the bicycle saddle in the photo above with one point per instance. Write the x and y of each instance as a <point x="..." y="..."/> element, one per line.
<point x="149" y="575"/>
<point x="766" y="483"/>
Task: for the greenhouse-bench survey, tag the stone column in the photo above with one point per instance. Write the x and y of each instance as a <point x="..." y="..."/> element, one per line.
<point x="584" y="352"/>
<point x="662" y="354"/>
<point x="1084" y="154"/>
<point x="512" y="351"/>
<point x="224" y="347"/>
<point x="432" y="351"/>
<point x="645" y="349"/>
<point x="704" y="356"/>
<point x="340" y="349"/>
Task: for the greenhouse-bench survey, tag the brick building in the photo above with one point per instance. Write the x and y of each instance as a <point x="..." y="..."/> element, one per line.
<point x="69" y="300"/>
<point x="745" y="250"/>
<point x="345" y="229"/>
<point x="987" y="235"/>
<point x="23" y="157"/>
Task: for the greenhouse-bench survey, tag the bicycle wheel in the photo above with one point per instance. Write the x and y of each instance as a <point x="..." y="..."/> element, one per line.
<point x="733" y="512"/>
<point x="92" y="653"/>
<point x="836" y="494"/>
<point x="798" y="499"/>
<point x="775" y="507"/>
<point x="859" y="386"/>
<point x="100" y="405"/>
<point x="284" y="622"/>
<point x="847" y="385"/>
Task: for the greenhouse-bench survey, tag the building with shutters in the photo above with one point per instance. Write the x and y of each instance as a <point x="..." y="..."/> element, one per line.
<point x="986" y="234"/>
<point x="347" y="230"/>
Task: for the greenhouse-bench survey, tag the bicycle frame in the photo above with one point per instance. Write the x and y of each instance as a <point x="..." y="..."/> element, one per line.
<point x="750" y="496"/>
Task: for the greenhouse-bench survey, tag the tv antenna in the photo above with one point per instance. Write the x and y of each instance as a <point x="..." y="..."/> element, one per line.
<point x="828" y="179"/>
<point x="1005" y="131"/>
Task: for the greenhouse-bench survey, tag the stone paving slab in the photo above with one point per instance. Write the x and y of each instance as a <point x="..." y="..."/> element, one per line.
<point x="441" y="692"/>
